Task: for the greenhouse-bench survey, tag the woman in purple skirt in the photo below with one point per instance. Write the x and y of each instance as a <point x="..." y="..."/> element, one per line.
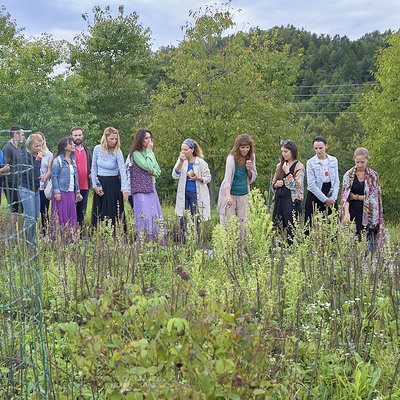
<point x="64" y="176"/>
<point x="143" y="171"/>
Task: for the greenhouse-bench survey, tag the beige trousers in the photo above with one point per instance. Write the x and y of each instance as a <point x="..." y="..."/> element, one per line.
<point x="238" y="208"/>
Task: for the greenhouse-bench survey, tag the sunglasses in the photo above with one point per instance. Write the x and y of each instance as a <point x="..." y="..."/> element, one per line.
<point x="284" y="142"/>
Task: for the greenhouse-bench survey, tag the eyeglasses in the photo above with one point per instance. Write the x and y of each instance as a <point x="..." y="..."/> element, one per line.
<point x="284" y="142"/>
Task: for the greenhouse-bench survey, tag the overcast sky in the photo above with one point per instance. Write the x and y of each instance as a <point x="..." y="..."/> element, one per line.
<point x="354" y="18"/>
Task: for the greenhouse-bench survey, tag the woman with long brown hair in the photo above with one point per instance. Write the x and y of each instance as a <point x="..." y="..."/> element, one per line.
<point x="288" y="183"/>
<point x="240" y="172"/>
<point x="143" y="169"/>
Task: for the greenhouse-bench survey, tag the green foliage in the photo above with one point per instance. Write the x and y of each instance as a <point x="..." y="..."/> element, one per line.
<point x="112" y="59"/>
<point x="381" y="120"/>
<point x="254" y="319"/>
<point x="220" y="87"/>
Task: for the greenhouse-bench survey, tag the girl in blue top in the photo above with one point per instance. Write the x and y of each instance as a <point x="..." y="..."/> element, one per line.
<point x="109" y="190"/>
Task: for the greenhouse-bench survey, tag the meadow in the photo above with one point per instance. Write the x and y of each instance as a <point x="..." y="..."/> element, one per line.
<point x="222" y="318"/>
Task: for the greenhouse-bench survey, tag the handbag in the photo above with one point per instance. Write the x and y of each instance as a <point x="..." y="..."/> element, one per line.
<point x="48" y="190"/>
<point x="141" y="180"/>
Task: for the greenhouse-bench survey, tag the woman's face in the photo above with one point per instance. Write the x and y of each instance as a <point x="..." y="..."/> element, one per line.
<point x="70" y="147"/>
<point x="361" y="163"/>
<point x="146" y="139"/>
<point x="320" y="149"/>
<point x="112" y="140"/>
<point x="286" y="154"/>
<point x="186" y="150"/>
<point x="244" y="149"/>
<point x="36" y="147"/>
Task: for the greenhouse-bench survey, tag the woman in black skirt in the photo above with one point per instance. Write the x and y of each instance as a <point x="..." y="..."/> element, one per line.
<point x="109" y="190"/>
<point x="288" y="183"/>
<point x="362" y="198"/>
<point x="322" y="180"/>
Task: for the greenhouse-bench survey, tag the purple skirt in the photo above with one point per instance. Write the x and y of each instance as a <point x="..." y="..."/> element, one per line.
<point x="147" y="213"/>
<point x="63" y="213"/>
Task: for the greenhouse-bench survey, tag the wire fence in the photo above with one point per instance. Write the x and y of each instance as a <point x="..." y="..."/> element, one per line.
<point x="23" y="354"/>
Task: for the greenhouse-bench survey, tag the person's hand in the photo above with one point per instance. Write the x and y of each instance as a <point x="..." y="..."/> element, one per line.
<point x="279" y="183"/>
<point x="346" y="217"/>
<point x="6" y="168"/>
<point x="329" y="202"/>
<point x="352" y="196"/>
<point x="285" y="167"/>
<point x="229" y="201"/>
<point x="182" y="158"/>
<point x="248" y="165"/>
<point x="57" y="196"/>
<point x="39" y="156"/>
<point x="78" y="197"/>
<point x="193" y="177"/>
<point x="125" y="194"/>
<point x="98" y="191"/>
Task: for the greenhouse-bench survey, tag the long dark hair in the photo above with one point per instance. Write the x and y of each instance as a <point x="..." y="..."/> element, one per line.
<point x="289" y="145"/>
<point x="137" y="144"/>
<point x="62" y="144"/>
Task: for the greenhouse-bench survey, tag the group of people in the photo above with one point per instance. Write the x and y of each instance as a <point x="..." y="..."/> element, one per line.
<point x="361" y="198"/>
<point x="27" y="172"/>
<point x="74" y="168"/>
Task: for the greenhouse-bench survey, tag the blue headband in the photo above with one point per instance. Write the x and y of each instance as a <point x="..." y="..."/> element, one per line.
<point x="190" y="143"/>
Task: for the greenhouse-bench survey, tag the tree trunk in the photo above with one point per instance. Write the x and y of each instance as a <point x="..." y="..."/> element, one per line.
<point x="212" y="189"/>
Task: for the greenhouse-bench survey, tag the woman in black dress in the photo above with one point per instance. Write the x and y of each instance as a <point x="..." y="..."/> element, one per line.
<point x="288" y="183"/>
<point x="361" y="200"/>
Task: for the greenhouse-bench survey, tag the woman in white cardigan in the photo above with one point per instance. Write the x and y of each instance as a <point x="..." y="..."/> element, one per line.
<point x="193" y="174"/>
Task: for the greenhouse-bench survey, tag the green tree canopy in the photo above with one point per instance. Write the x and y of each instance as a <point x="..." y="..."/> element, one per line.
<point x="219" y="87"/>
<point x="381" y="108"/>
<point x="112" y="60"/>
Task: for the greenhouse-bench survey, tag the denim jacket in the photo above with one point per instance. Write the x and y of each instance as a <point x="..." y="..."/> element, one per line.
<point x="60" y="174"/>
<point x="315" y="175"/>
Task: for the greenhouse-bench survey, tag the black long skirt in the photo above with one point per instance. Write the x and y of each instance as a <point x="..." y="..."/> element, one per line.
<point x="313" y="203"/>
<point x="111" y="204"/>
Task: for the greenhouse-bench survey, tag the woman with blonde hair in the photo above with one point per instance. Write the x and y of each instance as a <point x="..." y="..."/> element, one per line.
<point x="45" y="173"/>
<point x="361" y="200"/>
<point x="29" y="182"/>
<point x="193" y="175"/>
<point x="110" y="190"/>
<point x="240" y="172"/>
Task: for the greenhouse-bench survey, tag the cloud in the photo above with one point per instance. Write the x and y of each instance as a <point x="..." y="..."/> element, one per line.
<point x="353" y="18"/>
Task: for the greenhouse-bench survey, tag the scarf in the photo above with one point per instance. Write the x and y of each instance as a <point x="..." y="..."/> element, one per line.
<point x="372" y="206"/>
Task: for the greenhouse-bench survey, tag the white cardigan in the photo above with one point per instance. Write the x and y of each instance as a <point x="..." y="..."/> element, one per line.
<point x="200" y="168"/>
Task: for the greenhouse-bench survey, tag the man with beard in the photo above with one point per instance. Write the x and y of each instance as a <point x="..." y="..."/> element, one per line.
<point x="83" y="157"/>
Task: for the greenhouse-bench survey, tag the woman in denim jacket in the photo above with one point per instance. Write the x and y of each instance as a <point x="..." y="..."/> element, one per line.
<point x="64" y="175"/>
<point x="322" y="180"/>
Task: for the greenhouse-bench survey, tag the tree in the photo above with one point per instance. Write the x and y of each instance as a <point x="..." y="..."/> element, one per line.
<point x="380" y="116"/>
<point x="27" y="81"/>
<point x="112" y="60"/>
<point x="219" y="87"/>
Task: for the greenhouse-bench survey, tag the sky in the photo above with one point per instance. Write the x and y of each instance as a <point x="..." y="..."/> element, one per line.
<point x="353" y="18"/>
